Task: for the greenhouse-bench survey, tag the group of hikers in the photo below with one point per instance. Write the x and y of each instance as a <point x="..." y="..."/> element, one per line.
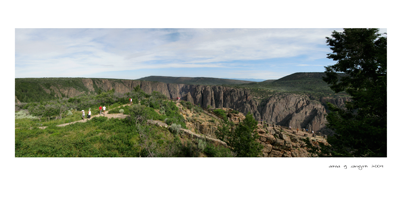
<point x="89" y="114"/>
<point x="103" y="109"/>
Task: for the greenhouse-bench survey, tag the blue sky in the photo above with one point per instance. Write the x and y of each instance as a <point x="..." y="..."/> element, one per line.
<point x="136" y="53"/>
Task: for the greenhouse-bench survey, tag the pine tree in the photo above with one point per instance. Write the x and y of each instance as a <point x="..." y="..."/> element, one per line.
<point x="361" y="127"/>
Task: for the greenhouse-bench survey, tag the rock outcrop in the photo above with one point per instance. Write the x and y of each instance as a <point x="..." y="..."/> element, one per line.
<point x="294" y="110"/>
<point x="280" y="142"/>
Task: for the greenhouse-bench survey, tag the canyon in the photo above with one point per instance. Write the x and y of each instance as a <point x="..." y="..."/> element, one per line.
<point x="286" y="109"/>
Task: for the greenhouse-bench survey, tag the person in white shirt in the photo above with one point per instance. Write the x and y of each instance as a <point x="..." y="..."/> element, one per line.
<point x="104" y="110"/>
<point x="83" y="114"/>
<point x="89" y="114"/>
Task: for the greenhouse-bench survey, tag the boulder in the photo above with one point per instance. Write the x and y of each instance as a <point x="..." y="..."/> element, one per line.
<point x="300" y="152"/>
<point x="268" y="148"/>
<point x="287" y="154"/>
<point x="260" y="131"/>
<point x="303" y="152"/>
<point x="270" y="139"/>
<point x="295" y="153"/>
<point x="275" y="153"/>
<point x="294" y="139"/>
<point x="287" y="146"/>
<point x="279" y="142"/>
<point x="284" y="137"/>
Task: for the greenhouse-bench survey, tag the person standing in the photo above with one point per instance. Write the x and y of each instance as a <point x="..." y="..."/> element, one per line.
<point x="100" y="110"/>
<point x="104" y="110"/>
<point x="297" y="130"/>
<point x="83" y="114"/>
<point x="130" y="100"/>
<point x="89" y="114"/>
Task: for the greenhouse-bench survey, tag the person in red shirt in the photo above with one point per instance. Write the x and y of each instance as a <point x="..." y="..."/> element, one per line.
<point x="100" y="109"/>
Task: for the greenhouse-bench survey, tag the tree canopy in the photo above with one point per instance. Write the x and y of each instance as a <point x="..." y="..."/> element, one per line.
<point x="241" y="139"/>
<point x="361" y="127"/>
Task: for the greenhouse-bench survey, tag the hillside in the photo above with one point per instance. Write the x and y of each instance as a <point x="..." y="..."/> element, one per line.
<point x="304" y="109"/>
<point x="193" y="80"/>
<point x="152" y="126"/>
<point x="309" y="83"/>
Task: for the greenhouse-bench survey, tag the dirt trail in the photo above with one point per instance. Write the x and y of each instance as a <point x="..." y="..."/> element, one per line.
<point x="121" y="116"/>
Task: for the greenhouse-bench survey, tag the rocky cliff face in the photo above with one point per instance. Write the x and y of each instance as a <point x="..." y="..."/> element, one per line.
<point x="297" y="111"/>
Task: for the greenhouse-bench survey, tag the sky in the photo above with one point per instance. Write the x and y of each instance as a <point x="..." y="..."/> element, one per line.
<point x="136" y="53"/>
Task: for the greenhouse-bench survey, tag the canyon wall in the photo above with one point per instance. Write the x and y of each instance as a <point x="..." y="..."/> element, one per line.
<point x="294" y="110"/>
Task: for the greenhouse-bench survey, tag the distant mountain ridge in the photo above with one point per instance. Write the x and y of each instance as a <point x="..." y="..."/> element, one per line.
<point x="193" y="80"/>
<point x="283" y="108"/>
<point x="251" y="79"/>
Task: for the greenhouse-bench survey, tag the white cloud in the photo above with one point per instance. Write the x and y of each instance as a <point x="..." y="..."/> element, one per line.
<point x="79" y="52"/>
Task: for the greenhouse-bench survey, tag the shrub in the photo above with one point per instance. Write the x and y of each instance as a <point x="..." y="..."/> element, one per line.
<point x="175" y="128"/>
<point x="198" y="109"/>
<point x="187" y="105"/>
<point x="23" y="114"/>
<point x="69" y="113"/>
<point x="221" y="113"/>
<point x="99" y="119"/>
<point x="202" y="144"/>
<point x="217" y="151"/>
<point x="121" y="111"/>
<point x="188" y="149"/>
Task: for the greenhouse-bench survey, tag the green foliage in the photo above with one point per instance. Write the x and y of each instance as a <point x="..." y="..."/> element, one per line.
<point x="121" y="111"/>
<point x="197" y="109"/>
<point x="221" y="113"/>
<point x="361" y="128"/>
<point x="217" y="151"/>
<point x="99" y="137"/>
<point x="33" y="89"/>
<point x="201" y="144"/>
<point x="235" y="112"/>
<point x="186" y="104"/>
<point x="157" y="95"/>
<point x="24" y="115"/>
<point x="188" y="149"/>
<point x="242" y="139"/>
<point x="175" y="129"/>
<point x="29" y="90"/>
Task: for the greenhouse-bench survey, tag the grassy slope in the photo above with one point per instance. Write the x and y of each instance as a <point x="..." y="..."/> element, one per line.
<point x="102" y="137"/>
<point x="31" y="89"/>
<point x="310" y="83"/>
